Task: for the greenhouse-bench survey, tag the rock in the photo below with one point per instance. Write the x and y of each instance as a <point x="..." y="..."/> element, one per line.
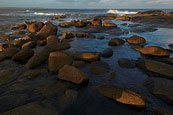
<point x="91" y="36"/>
<point x="161" y="88"/>
<point x="72" y="74"/>
<point x="124" y="18"/>
<point x="35" y="26"/>
<point x="116" y="42"/>
<point x="47" y="30"/>
<point x="155" y="51"/>
<point x="14" y="28"/>
<point x="122" y="95"/>
<point x="66" y="25"/>
<point x="68" y="35"/>
<point x="19" y="33"/>
<point x="52" y="39"/>
<point x="156" y="67"/>
<point x="99" y="68"/>
<point x="21" y="26"/>
<point x="100" y="37"/>
<point x="8" y="53"/>
<point x="152" y="12"/>
<point x="78" y="63"/>
<point x="107" y="53"/>
<point x="170" y="46"/>
<point x="7" y="75"/>
<point x="33" y="108"/>
<point x="5" y="46"/>
<point x="167" y="60"/>
<point x="59" y="46"/>
<point x="41" y="42"/>
<point x="136" y="40"/>
<point x="59" y="20"/>
<point x="31" y="37"/>
<point x="38" y="58"/>
<point x="159" y="111"/>
<point x="31" y="44"/>
<point x="57" y="60"/>
<point x="80" y="24"/>
<point x="23" y="55"/>
<point x="96" y="22"/>
<point x="20" y="42"/>
<point x="109" y="24"/>
<point x="87" y="56"/>
<point x="31" y="74"/>
<point x="4" y="37"/>
<point x="81" y="34"/>
<point x="126" y="63"/>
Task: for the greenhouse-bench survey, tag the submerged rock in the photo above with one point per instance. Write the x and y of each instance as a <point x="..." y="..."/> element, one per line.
<point x="107" y="53"/>
<point x="126" y="63"/>
<point x="116" y="42"/>
<point x="81" y="34"/>
<point x="99" y="68"/>
<point x="161" y="88"/>
<point x="136" y="40"/>
<point x="72" y="74"/>
<point x="122" y="95"/>
<point x="78" y="63"/>
<point x="91" y="36"/>
<point x="100" y="37"/>
<point x="58" y="60"/>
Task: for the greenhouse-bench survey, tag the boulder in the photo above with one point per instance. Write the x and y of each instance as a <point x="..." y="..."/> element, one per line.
<point x="161" y="88"/>
<point x="52" y="39"/>
<point x="99" y="68"/>
<point x="8" y="53"/>
<point x="57" y="60"/>
<point x="100" y="37"/>
<point x="41" y="42"/>
<point x="23" y="55"/>
<point x="47" y="30"/>
<point x="72" y="74"/>
<point x="5" y="46"/>
<point x="31" y="37"/>
<point x="34" y="26"/>
<point x="31" y="44"/>
<point x="38" y="58"/>
<point x="155" y="51"/>
<point x="126" y="63"/>
<point x="20" y="42"/>
<point x="66" y="24"/>
<point x="81" y="34"/>
<point x="59" y="46"/>
<point x="91" y="36"/>
<point x="78" y="63"/>
<point x="163" y="69"/>
<point x="123" y="95"/>
<point x="109" y="24"/>
<point x="116" y="42"/>
<point x="87" y="56"/>
<point x="68" y="35"/>
<point x="107" y="53"/>
<point x="96" y="22"/>
<point x="136" y="40"/>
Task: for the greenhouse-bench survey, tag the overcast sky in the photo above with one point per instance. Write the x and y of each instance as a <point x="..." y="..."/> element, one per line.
<point x="87" y="4"/>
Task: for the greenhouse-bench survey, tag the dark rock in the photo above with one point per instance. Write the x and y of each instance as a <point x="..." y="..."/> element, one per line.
<point x="41" y="42"/>
<point x="136" y="40"/>
<point x="96" y="22"/>
<point x="31" y="74"/>
<point x="68" y="35"/>
<point x="124" y="18"/>
<point x="5" y="46"/>
<point x="81" y="34"/>
<point x="19" y="33"/>
<point x="31" y="44"/>
<point x="80" y="24"/>
<point x="171" y="46"/>
<point x="78" y="63"/>
<point x="107" y="53"/>
<point x="91" y="36"/>
<point x="116" y="42"/>
<point x="126" y="63"/>
<point x="99" y="68"/>
<point x="57" y="60"/>
<point x="59" y="46"/>
<point x="20" y="42"/>
<point x="8" y="53"/>
<point x="21" y="26"/>
<point x="72" y="74"/>
<point x="52" y="39"/>
<point x="31" y="37"/>
<point x="100" y="37"/>
<point x="124" y="96"/>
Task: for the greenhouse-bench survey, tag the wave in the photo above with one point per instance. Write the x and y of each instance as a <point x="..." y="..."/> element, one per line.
<point x="27" y="10"/>
<point x="45" y="14"/>
<point x="120" y="12"/>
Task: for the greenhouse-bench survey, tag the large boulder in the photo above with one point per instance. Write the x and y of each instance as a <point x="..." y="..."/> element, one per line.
<point x="23" y="55"/>
<point x="136" y="40"/>
<point x="155" y="52"/>
<point x="122" y="95"/>
<point x="34" y="26"/>
<point x="109" y="24"/>
<point x="57" y="60"/>
<point x="8" y="53"/>
<point x="126" y="63"/>
<point x="99" y="68"/>
<point x="38" y="58"/>
<point x="116" y="42"/>
<point x="47" y="30"/>
<point x="52" y="39"/>
<point x="72" y="74"/>
<point x="161" y="88"/>
<point x="160" y="68"/>
<point x="41" y="42"/>
<point x="87" y="56"/>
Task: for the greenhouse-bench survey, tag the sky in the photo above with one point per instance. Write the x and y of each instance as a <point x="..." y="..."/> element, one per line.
<point x="89" y="4"/>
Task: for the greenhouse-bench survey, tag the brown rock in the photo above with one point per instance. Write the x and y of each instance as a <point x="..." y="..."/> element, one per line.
<point x="116" y="42"/>
<point x="72" y="74"/>
<point x="47" y="30"/>
<point x="23" y="55"/>
<point x="21" y="26"/>
<point x="87" y="56"/>
<point x="19" y="33"/>
<point x="38" y="58"/>
<point x="109" y="24"/>
<point x="59" y="46"/>
<point x="20" y="42"/>
<point x="124" y="18"/>
<point x="5" y="46"/>
<point x="31" y="44"/>
<point x="100" y="37"/>
<point x="126" y="63"/>
<point x="91" y="36"/>
<point x="66" y="25"/>
<point x="35" y="26"/>
<point x="41" y="42"/>
<point x="68" y="35"/>
<point x="52" y="39"/>
<point x="81" y="34"/>
<point x="57" y="60"/>
<point x="99" y="68"/>
<point x="96" y="22"/>
<point x="136" y="40"/>
<point x="8" y="53"/>
<point x="107" y="53"/>
<point x="31" y="37"/>
<point x="80" y="24"/>
<point x="124" y="96"/>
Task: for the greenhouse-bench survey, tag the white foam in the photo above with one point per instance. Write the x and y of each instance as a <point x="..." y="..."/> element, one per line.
<point x="45" y="14"/>
<point x="27" y="10"/>
<point x="120" y="12"/>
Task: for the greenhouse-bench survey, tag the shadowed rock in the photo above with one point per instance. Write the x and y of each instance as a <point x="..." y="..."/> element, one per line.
<point x="8" y="53"/>
<point x="116" y="42"/>
<point x="31" y="44"/>
<point x="107" y="53"/>
<point x="126" y="63"/>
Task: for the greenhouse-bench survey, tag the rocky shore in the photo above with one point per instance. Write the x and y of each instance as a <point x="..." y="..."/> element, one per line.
<point x="42" y="74"/>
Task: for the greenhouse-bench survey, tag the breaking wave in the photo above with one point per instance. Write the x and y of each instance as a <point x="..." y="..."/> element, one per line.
<point x="120" y="12"/>
<point x="45" y="14"/>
